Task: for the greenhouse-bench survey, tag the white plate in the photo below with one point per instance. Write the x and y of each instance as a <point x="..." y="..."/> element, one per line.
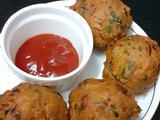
<point x="148" y="102"/>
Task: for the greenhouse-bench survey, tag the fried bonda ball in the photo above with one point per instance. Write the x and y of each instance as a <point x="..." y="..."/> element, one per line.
<point x="134" y="61"/>
<point x="99" y="100"/>
<point x="32" y="102"/>
<point x="109" y="19"/>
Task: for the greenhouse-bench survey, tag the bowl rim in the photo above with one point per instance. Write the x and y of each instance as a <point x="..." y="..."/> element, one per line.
<point x="45" y="6"/>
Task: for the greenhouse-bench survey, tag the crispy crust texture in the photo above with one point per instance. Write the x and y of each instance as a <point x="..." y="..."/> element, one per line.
<point x="134" y="61"/>
<point x="100" y="100"/>
<point x="32" y="102"/>
<point x="109" y="19"/>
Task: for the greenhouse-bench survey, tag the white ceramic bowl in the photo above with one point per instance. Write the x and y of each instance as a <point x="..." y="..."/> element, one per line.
<point x="38" y="19"/>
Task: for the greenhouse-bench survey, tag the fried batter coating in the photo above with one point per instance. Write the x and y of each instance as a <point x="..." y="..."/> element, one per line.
<point x="109" y="19"/>
<point x="134" y="61"/>
<point x="100" y="100"/>
<point x="32" y="102"/>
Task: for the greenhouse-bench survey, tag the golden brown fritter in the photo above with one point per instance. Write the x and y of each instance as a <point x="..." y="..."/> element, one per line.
<point x="32" y="102"/>
<point x="109" y="19"/>
<point x="134" y="61"/>
<point x="100" y="100"/>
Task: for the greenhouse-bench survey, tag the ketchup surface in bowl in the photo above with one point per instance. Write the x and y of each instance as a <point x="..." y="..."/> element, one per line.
<point x="47" y="55"/>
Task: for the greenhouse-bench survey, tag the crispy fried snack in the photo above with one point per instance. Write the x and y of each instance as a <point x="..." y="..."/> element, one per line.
<point x="108" y="19"/>
<point x="32" y="102"/>
<point x="134" y="61"/>
<point x="100" y="100"/>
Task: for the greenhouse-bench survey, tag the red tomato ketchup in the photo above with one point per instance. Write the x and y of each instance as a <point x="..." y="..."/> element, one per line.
<point x="47" y="55"/>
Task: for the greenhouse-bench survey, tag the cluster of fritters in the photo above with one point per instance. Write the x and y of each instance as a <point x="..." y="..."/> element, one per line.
<point x="92" y="100"/>
<point x="132" y="65"/>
